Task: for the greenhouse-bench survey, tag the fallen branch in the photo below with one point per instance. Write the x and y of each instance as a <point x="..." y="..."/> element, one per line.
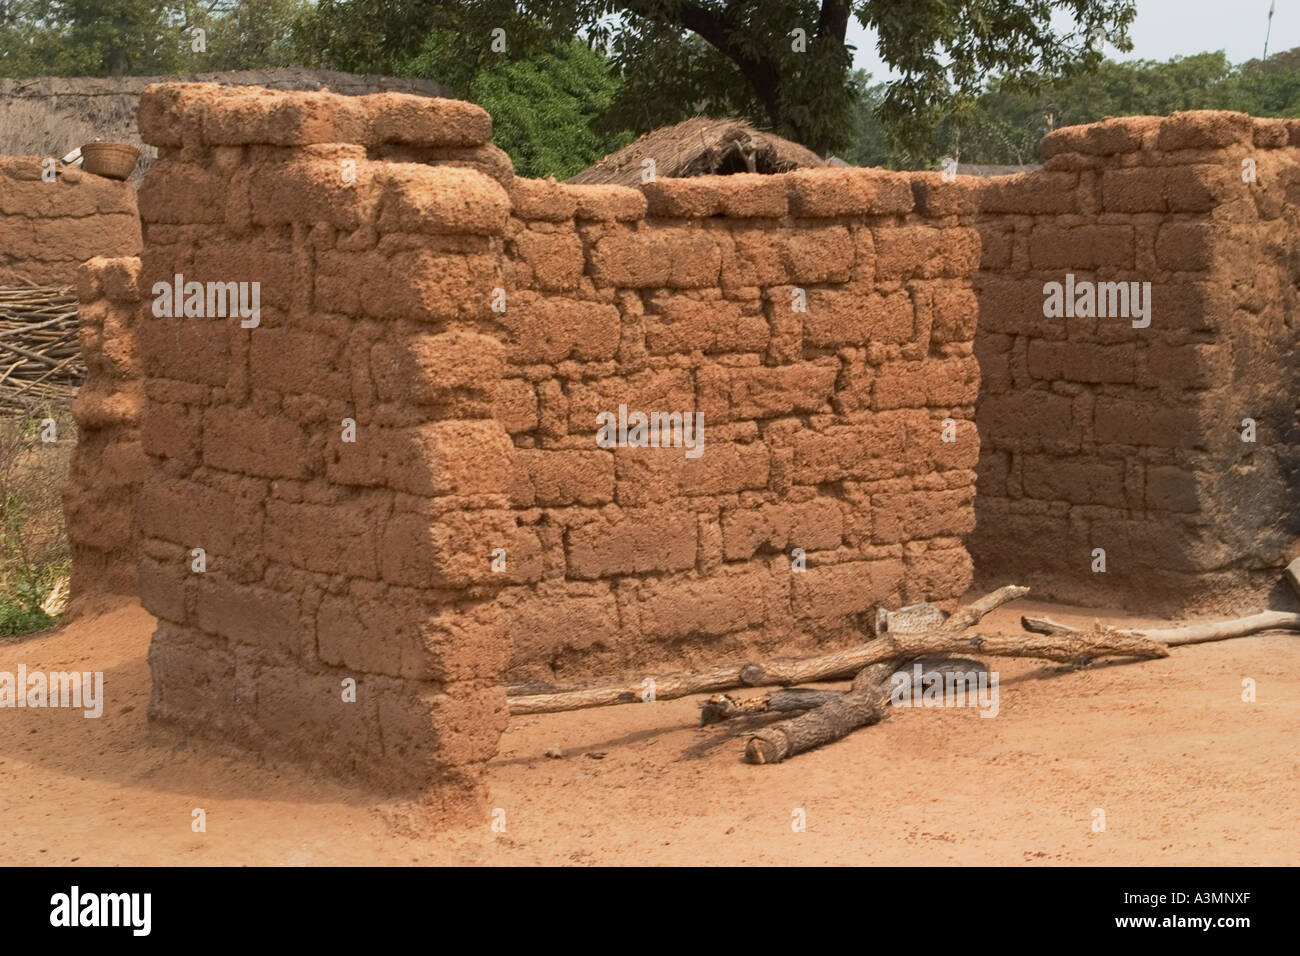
<point x="1166" y="637"/>
<point x="784" y="671"/>
<point x="721" y="707"/>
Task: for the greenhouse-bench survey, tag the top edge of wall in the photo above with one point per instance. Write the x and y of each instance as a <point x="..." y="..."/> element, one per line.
<point x="209" y="114"/>
<point x="1192" y="129"/>
<point x="805" y="193"/>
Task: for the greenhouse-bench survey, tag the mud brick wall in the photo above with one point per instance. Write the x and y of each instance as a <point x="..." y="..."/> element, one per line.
<point x="469" y="327"/>
<point x="328" y="561"/>
<point x="108" y="464"/>
<point x="47" y="229"/>
<point x="1096" y="434"/>
<point x="823" y="428"/>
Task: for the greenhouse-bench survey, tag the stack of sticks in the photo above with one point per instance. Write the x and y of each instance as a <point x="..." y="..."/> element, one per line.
<point x="823" y="716"/>
<point x="40" y="358"/>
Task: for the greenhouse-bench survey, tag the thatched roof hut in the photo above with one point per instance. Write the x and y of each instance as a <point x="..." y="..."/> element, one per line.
<point x="700" y="146"/>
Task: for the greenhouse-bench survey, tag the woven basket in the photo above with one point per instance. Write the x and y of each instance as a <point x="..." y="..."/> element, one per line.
<point x="114" y="160"/>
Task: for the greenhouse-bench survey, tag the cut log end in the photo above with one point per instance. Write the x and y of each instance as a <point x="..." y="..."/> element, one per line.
<point x="769" y="746"/>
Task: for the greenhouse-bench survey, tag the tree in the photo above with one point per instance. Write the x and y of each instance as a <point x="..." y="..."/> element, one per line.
<point x="140" y="38"/>
<point x="90" y="37"/>
<point x="1005" y="126"/>
<point x="783" y="63"/>
<point x="544" y="109"/>
<point x="254" y="34"/>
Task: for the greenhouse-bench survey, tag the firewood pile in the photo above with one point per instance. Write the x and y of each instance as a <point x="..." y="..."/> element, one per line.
<point x="40" y="357"/>
<point x="922" y="634"/>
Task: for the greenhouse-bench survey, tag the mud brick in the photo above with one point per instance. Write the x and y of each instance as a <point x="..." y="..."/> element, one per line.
<point x="194" y="515"/>
<point x="329" y="539"/>
<point x="287" y="360"/>
<point x="667" y="391"/>
<point x="416" y="198"/>
<point x="549" y="330"/>
<point x="1030" y="193"/>
<point x="182" y="193"/>
<point x="938" y="198"/>
<point x="753" y="258"/>
<point x="818" y="254"/>
<point x="515" y="405"/>
<point x="720" y="604"/>
<point x="554" y="258"/>
<point x="741" y="196"/>
<point x="1204" y="129"/>
<point x="450" y="458"/>
<point x="1076" y="480"/>
<point x="724" y="468"/>
<point x="251" y="615"/>
<point x="1080" y="362"/>
<point x="1183" y="366"/>
<point x="162" y="588"/>
<point x="925" y="252"/>
<point x="1076" y="248"/>
<point x="955" y="311"/>
<point x="1186" y="246"/>
<point x="844" y="590"/>
<point x="548" y="622"/>
<point x="847" y="451"/>
<point x="937" y="382"/>
<point x="680" y="324"/>
<point x="681" y="258"/>
<point x="636" y="542"/>
<point x="827" y="193"/>
<point x="557" y="477"/>
<point x="1030" y="415"/>
<point x="1137" y="189"/>
<point x="937" y="575"/>
<point x="856" y="317"/>
<point x="542" y="199"/>
<point x="910" y="516"/>
<point x="1169" y="488"/>
<point x="727" y="394"/>
<point x="1139" y="423"/>
<point x="246" y="441"/>
<point x="433" y="369"/>
<point x="397" y="633"/>
<point x="1013" y="306"/>
<point x="455" y="550"/>
<point x="815" y="525"/>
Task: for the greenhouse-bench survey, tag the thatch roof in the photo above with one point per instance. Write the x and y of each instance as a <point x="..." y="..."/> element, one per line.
<point x="700" y="146"/>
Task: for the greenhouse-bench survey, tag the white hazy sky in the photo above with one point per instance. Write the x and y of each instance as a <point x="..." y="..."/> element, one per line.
<point x="1166" y="28"/>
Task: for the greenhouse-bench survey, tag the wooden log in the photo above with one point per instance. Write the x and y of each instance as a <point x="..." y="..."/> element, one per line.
<point x="787" y="700"/>
<point x="867" y="703"/>
<point x="721" y="707"/>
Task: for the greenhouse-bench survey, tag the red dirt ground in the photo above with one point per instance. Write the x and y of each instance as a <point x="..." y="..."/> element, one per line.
<point x="1185" y="771"/>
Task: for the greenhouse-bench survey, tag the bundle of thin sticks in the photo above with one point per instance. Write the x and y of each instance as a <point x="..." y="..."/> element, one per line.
<point x="40" y="358"/>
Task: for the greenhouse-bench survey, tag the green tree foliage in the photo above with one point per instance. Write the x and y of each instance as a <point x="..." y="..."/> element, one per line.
<point x="544" y="109"/>
<point x="89" y="37"/>
<point x="145" y="38"/>
<point x="784" y="64"/>
<point x="1004" y="126"/>
<point x="254" y="35"/>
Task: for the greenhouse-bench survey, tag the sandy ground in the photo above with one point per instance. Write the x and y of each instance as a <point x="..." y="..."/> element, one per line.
<point x="1185" y="771"/>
